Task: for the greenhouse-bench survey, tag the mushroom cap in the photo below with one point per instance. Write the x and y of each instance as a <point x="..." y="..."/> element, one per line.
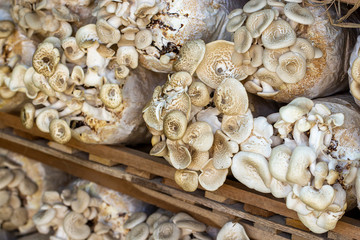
<point x="232" y="230"/>
<point x="269" y="77"/>
<point x="143" y="39"/>
<point x="242" y="40"/>
<point x="86" y="36"/>
<point x="298" y="14"/>
<point x="279" y="34"/>
<point x="175" y="123"/>
<point x="60" y="131"/>
<point x="199" y="94"/>
<point x="254" y="6"/>
<point x="40" y="82"/>
<point x="291" y="68"/>
<point x="27" y="115"/>
<point x="304" y="47"/>
<point x="191" y="224"/>
<point x="19" y="176"/>
<point x="134" y="220"/>
<point x="58" y="81"/>
<point x="159" y="149"/>
<point x="355" y="70"/>
<point x="211" y="178"/>
<point x="179" y="154"/>
<point x="27" y="187"/>
<point x="44" y="216"/>
<point x="75" y="226"/>
<point x="198" y="160"/>
<point x="51" y="198"/>
<point x="45" y="59"/>
<point x="106" y="32"/>
<point x="309" y="221"/>
<point x="271" y="58"/>
<point x="4" y="197"/>
<point x="300" y="160"/>
<point x="6" y="176"/>
<point x="168" y="231"/>
<point x="235" y="22"/>
<point x="217" y="65"/>
<point x="223" y="149"/>
<point x="111" y="95"/>
<point x="296" y="109"/>
<point x="238" y="127"/>
<point x="317" y="199"/>
<point x="279" y="162"/>
<point x="81" y="202"/>
<point x="139" y="232"/>
<point x="187" y="180"/>
<point x="7" y="28"/>
<point x="199" y="136"/>
<point x="19" y="217"/>
<point x="128" y="56"/>
<point x="44" y="119"/>
<point x="231" y="98"/>
<point x="252" y="170"/>
<point x="257" y="22"/>
<point x="279" y="189"/>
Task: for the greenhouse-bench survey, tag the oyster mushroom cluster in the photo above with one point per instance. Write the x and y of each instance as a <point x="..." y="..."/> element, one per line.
<point x="15" y="49"/>
<point x="165" y="225"/>
<point x="313" y="163"/>
<point x="198" y="127"/>
<point x="286" y="49"/>
<point x="51" y="17"/>
<point x="21" y="190"/>
<point x="354" y="72"/>
<point x="88" y="211"/>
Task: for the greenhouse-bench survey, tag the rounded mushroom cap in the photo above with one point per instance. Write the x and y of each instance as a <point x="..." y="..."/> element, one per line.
<point x="27" y="115"/>
<point x="4" y="197"/>
<point x="231" y="97"/>
<point x="44" y="119"/>
<point x="134" y="220"/>
<point x="217" y="65"/>
<point x="139" y="232"/>
<point x="254" y="6"/>
<point x="296" y="13"/>
<point x="231" y="231"/>
<point x="111" y="95"/>
<point x="223" y="149"/>
<point x="252" y="170"/>
<point x="6" y="176"/>
<point x="167" y="231"/>
<point x="45" y="59"/>
<point x="45" y="216"/>
<point x="81" y="201"/>
<point x="257" y="22"/>
<point x="19" y="217"/>
<point x="212" y="178"/>
<point x="190" y="56"/>
<point x="27" y="187"/>
<point x="317" y="199"/>
<point x="199" y="94"/>
<point x="75" y="226"/>
<point x="279" y="162"/>
<point x="279" y="34"/>
<point x="199" y="136"/>
<point x="7" y="28"/>
<point x="175" y="123"/>
<point x="242" y="40"/>
<point x="60" y="131"/>
<point x="106" y="32"/>
<point x="238" y="127"/>
<point x="187" y="180"/>
<point x="179" y="154"/>
<point x="291" y="68"/>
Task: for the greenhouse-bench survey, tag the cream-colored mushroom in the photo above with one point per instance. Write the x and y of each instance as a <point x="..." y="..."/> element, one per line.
<point x="175" y="124"/>
<point x="302" y="157"/>
<point x="4" y="197"/>
<point x="198" y="160"/>
<point x="179" y="155"/>
<point x="75" y="226"/>
<point x="232" y="230"/>
<point x="355" y="89"/>
<point x="60" y="131"/>
<point x="86" y="36"/>
<point x="231" y="98"/>
<point x="44" y="216"/>
<point x="190" y="56"/>
<point x="252" y="170"/>
<point x="235" y="22"/>
<point x="19" y="176"/>
<point x="296" y="109"/>
<point x="27" y="187"/>
<point x="238" y="127"/>
<point x="106" y="32"/>
<point x="27" y="115"/>
<point x="279" y="34"/>
<point x="44" y="119"/>
<point x="317" y="199"/>
<point x="140" y="232"/>
<point x="199" y="94"/>
<point x="128" y="56"/>
<point x="45" y="59"/>
<point x="111" y="95"/>
<point x="304" y="47"/>
<point x="42" y="84"/>
<point x="168" y="231"/>
<point x="291" y="68"/>
<point x="143" y="39"/>
<point x="271" y="58"/>
<point x="257" y="22"/>
<point x="81" y="202"/>
<point x="211" y="178"/>
<point x="135" y="219"/>
<point x="279" y="162"/>
<point x="159" y="149"/>
<point x="293" y="202"/>
<point x="256" y="54"/>
<point x="269" y="77"/>
<point x="298" y="14"/>
<point x="279" y="189"/>
<point x="187" y="180"/>
<point x="7" y="28"/>
<point x="223" y="150"/>
<point x="199" y="136"/>
<point x="58" y="81"/>
<point x="242" y="40"/>
<point x="320" y="174"/>
<point x="71" y="49"/>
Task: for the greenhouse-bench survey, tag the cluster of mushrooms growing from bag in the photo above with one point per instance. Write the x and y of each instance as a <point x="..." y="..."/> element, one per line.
<point x="90" y="79"/>
<point x="89" y="211"/>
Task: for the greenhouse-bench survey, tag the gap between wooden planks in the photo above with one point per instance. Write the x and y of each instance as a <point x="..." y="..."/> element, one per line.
<point x="159" y="167"/>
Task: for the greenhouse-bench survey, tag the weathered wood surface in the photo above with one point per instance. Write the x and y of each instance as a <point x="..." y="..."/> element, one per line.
<point x="138" y="175"/>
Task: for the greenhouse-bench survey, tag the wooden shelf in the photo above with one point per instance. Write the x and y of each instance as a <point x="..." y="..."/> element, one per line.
<point x="150" y="179"/>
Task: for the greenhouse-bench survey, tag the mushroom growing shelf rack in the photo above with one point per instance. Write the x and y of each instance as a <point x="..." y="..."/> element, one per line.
<point x="136" y="173"/>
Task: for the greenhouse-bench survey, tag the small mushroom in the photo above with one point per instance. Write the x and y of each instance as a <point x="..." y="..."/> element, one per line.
<point x="257" y="22"/>
<point x="143" y="39"/>
<point x="175" y="124"/>
<point x="7" y="28"/>
<point x="187" y="180"/>
<point x="44" y="119"/>
<point x="4" y="197"/>
<point x="242" y="40"/>
<point x="232" y="230"/>
<point x="211" y="178"/>
<point x="27" y="187"/>
<point x="19" y="217"/>
<point x="31" y="89"/>
<point x="45" y="59"/>
<point x="279" y="34"/>
<point x="199" y="136"/>
<point x="106" y="32"/>
<point x="71" y="49"/>
<point x="320" y="174"/>
<point x="27" y="115"/>
<point x="264" y="75"/>
<point x="303" y="47"/>
<point x="254" y="6"/>
<point x="223" y="150"/>
<point x="179" y="154"/>
<point x="291" y="68"/>
<point x="301" y="158"/>
<point x="235" y="22"/>
<point x="238" y="127"/>
<point x="128" y="56"/>
<point x="252" y="170"/>
<point x="296" y="109"/>
<point x="60" y="131"/>
<point x="199" y="94"/>
<point x="75" y="226"/>
<point x="19" y="176"/>
<point x="279" y="162"/>
<point x="86" y="37"/>
<point x="298" y="14"/>
<point x="81" y="202"/>
<point x="134" y="220"/>
<point x="198" y="160"/>
<point x="44" y="216"/>
<point x="271" y="58"/>
<point x="231" y="98"/>
<point x="168" y="231"/>
<point x="6" y="176"/>
<point x="111" y="95"/>
<point x="139" y="232"/>
<point x="51" y="197"/>
<point x="42" y="84"/>
<point x="193" y="225"/>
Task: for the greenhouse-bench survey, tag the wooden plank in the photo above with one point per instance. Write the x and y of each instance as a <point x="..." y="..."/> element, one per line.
<point x="257" y="211"/>
<point x="268" y="229"/>
<point x="62" y="147"/>
<point x="24" y="134"/>
<point x="140" y="173"/>
<point x="102" y="160"/>
<point x="337" y="236"/>
<point x="260" y="234"/>
<point x="218" y="198"/>
<point x="296" y="223"/>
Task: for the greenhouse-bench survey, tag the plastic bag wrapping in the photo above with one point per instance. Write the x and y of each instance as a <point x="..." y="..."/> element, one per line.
<point x="45" y="177"/>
